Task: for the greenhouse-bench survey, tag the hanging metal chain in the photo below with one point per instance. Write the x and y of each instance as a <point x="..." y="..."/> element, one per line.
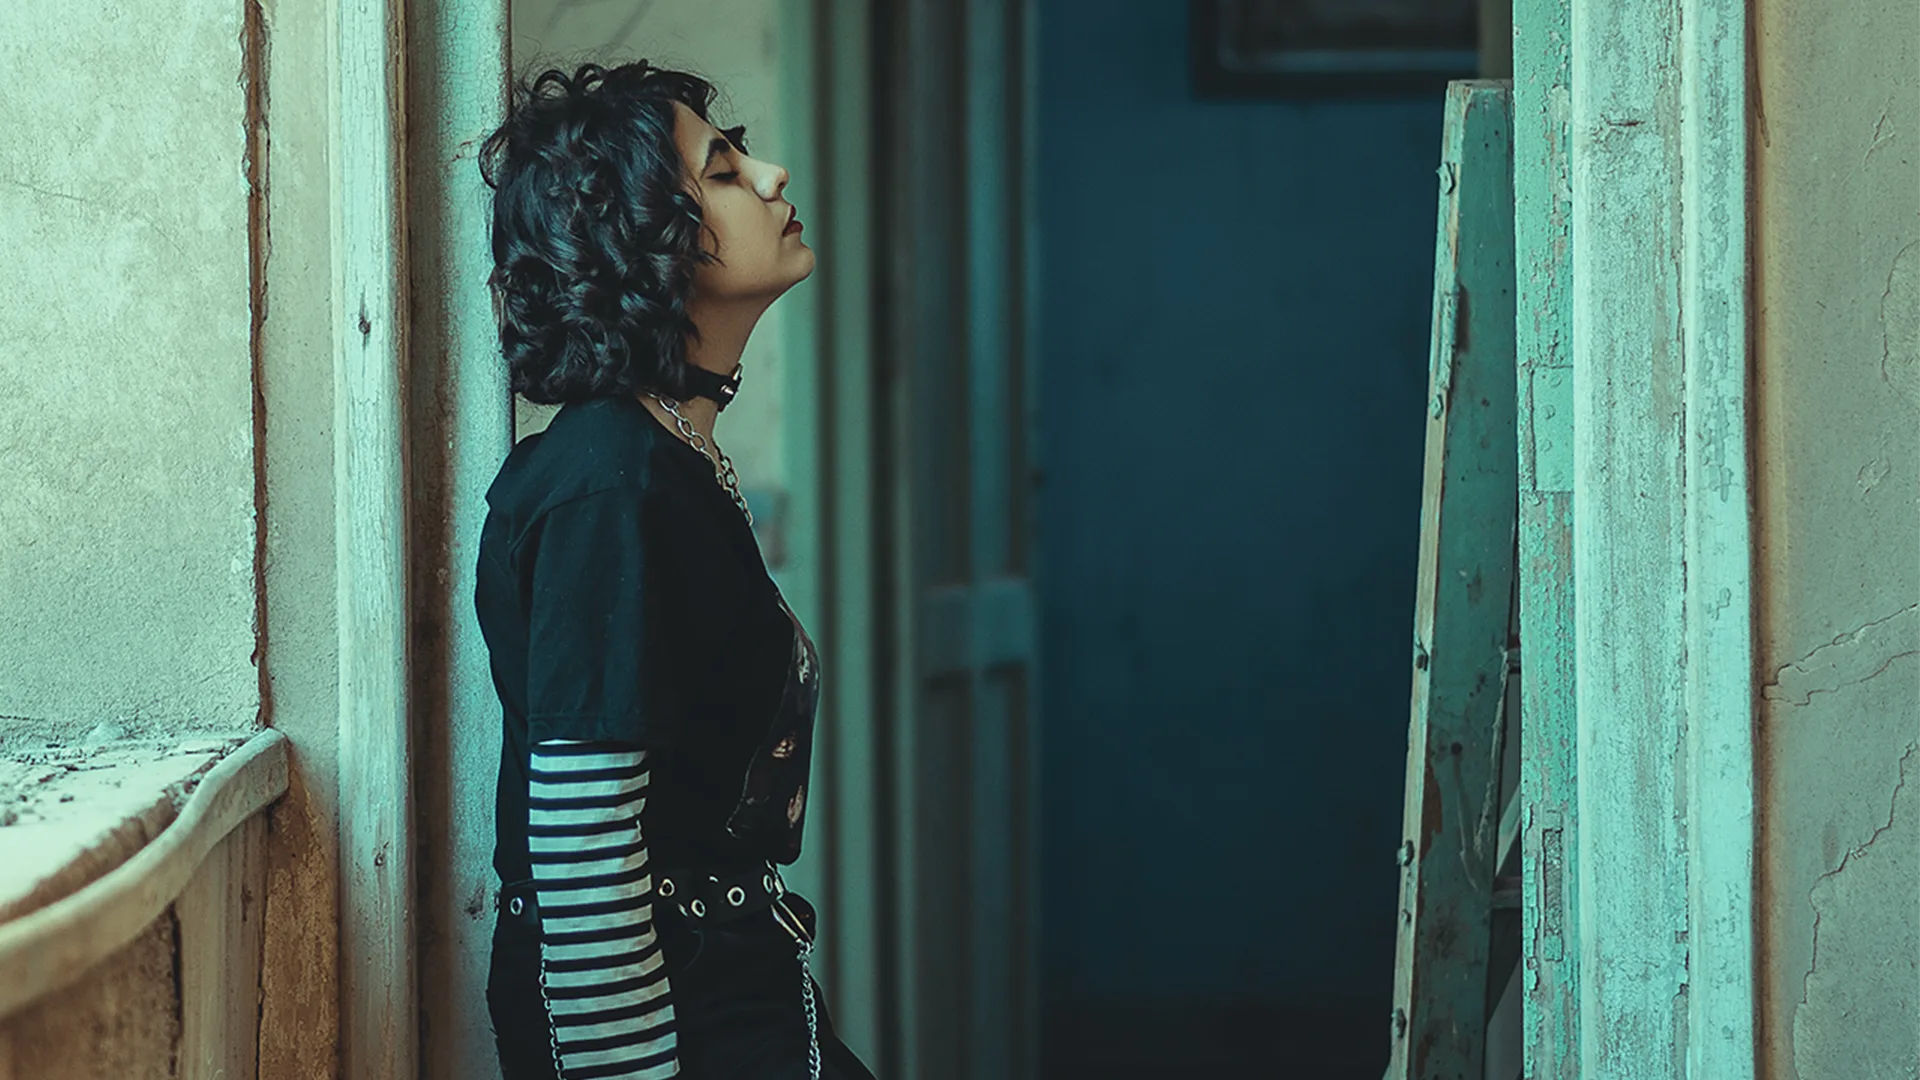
<point x="722" y="464"/>
<point x="813" y="1023"/>
<point x="803" y="938"/>
<point x="546" y="1006"/>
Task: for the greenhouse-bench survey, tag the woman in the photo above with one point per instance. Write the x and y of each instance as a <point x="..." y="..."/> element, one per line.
<point x="658" y="694"/>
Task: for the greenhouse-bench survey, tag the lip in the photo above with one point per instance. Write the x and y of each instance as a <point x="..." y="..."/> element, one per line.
<point x="793" y="222"/>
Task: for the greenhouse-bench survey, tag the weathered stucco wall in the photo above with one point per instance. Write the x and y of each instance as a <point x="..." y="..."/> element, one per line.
<point x="158" y="267"/>
<point x="1836" y="153"/>
<point x="126" y="511"/>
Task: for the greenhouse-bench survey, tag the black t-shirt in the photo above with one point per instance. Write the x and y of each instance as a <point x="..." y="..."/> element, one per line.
<point x="623" y="598"/>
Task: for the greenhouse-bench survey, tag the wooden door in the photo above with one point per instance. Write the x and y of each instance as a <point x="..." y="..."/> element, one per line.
<point x="956" y="449"/>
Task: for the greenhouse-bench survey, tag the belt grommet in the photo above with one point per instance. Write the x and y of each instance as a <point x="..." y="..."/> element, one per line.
<point x="736" y="896"/>
<point x="666" y="886"/>
<point x="516" y="905"/>
<point x="768" y="882"/>
<point x="699" y="909"/>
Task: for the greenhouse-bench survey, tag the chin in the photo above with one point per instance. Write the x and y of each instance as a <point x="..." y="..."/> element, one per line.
<point x="803" y="263"/>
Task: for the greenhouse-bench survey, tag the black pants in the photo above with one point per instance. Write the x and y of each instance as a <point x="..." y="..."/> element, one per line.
<point x="737" y="1001"/>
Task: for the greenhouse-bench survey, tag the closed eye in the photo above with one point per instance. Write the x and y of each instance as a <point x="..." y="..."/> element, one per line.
<point x="731" y="141"/>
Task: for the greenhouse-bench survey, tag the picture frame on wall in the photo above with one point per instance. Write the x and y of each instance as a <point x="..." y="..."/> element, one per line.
<point x="1295" y="48"/>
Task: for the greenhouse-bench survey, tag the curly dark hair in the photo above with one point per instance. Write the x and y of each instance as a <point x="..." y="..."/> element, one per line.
<point x="596" y="233"/>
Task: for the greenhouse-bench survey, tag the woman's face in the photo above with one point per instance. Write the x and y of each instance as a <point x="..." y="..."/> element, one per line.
<point x="754" y="230"/>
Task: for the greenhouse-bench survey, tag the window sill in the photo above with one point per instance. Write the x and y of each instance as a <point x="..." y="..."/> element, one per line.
<point x="101" y="866"/>
<point x="77" y="813"/>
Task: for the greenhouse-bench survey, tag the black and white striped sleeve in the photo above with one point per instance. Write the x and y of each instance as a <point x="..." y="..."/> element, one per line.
<point x="606" y="980"/>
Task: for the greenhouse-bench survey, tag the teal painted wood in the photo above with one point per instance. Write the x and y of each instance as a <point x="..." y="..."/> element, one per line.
<point x="1629" y="449"/>
<point x="1719" y="548"/>
<point x="1550" y="957"/>
<point x="1461" y="618"/>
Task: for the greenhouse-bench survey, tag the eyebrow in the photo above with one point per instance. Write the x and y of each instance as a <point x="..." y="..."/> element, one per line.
<point x="722" y="143"/>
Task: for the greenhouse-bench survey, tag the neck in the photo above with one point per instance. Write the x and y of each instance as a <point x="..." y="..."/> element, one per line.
<point x="722" y="341"/>
<point x="723" y="335"/>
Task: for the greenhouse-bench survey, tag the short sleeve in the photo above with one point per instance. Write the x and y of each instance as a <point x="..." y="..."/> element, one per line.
<point x="594" y="668"/>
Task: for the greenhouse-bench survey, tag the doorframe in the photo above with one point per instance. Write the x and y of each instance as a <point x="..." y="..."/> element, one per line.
<point x="834" y="574"/>
<point x="944" y="100"/>
<point x="1656" y="127"/>
<point x="378" y="996"/>
<point x="1722" y="688"/>
<point x="850" y="445"/>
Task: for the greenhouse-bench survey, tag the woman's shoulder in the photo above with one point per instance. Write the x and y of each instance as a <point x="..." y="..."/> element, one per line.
<point x="589" y="448"/>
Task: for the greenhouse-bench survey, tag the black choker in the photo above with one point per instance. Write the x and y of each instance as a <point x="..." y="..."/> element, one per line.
<point x="713" y="387"/>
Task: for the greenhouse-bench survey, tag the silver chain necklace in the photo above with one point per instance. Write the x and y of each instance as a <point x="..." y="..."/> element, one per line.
<point x="722" y="464"/>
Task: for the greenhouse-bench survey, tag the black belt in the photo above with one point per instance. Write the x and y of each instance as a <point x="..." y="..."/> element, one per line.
<point x="719" y="894"/>
<point x="705" y="895"/>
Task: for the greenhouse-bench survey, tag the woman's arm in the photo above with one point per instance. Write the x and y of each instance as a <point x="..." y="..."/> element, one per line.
<point x="605" y="979"/>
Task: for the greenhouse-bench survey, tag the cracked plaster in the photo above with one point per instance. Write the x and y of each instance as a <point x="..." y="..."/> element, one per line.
<point x="1900" y="324"/>
<point x="1853" y="657"/>
<point x="1855" y="1019"/>
<point x="1837" y="519"/>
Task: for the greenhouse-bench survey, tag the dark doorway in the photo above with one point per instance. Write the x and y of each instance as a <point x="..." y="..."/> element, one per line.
<point x="1234" y="324"/>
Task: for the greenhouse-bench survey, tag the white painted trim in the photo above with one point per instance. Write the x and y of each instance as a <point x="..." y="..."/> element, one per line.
<point x="378" y="1029"/>
<point x="1720" y="688"/>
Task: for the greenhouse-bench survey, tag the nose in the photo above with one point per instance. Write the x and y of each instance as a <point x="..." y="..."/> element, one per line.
<point x="773" y="181"/>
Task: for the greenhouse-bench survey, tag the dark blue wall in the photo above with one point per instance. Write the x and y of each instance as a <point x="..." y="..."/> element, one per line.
<point x="1236" y="307"/>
